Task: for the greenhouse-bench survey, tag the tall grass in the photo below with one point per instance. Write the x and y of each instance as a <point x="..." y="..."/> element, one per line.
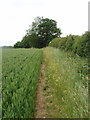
<point x="67" y="84"/>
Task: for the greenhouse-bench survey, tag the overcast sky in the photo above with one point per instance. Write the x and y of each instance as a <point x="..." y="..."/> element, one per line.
<point x="17" y="15"/>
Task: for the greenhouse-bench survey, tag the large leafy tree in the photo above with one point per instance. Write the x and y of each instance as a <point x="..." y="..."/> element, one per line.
<point x="48" y="30"/>
<point x="41" y="32"/>
<point x="34" y="27"/>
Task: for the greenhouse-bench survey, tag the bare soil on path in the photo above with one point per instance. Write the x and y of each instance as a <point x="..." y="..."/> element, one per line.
<point x="40" y="101"/>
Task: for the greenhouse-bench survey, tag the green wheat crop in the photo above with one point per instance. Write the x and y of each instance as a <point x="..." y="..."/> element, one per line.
<point x="20" y="69"/>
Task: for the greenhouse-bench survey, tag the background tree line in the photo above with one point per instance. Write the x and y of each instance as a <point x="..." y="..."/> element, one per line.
<point x="40" y="33"/>
<point x="44" y="32"/>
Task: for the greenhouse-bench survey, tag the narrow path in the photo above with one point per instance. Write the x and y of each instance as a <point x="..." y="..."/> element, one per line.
<point x="40" y="101"/>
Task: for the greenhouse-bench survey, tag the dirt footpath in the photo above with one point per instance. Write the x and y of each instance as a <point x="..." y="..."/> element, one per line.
<point x="40" y="101"/>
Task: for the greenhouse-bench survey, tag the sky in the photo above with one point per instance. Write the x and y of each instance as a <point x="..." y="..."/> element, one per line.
<point x="17" y="15"/>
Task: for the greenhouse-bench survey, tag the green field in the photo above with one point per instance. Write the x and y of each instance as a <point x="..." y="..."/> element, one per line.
<point x="20" y="68"/>
<point x="66" y="88"/>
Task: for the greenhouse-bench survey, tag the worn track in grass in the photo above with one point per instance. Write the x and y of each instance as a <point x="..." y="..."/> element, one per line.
<point x="40" y="101"/>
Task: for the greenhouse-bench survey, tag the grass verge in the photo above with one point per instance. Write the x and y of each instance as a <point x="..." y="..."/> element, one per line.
<point x="66" y="84"/>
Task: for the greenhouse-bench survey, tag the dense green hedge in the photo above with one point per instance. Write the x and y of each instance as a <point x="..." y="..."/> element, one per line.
<point x="77" y="44"/>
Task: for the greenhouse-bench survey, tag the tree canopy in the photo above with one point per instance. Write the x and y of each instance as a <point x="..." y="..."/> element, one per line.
<point x="40" y="33"/>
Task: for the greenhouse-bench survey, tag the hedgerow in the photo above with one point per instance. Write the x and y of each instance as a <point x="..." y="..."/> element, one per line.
<point x="75" y="43"/>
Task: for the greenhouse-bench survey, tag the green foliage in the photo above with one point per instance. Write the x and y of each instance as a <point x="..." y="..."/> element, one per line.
<point x="62" y="43"/>
<point x="40" y="33"/>
<point x="20" y="69"/>
<point x="70" y="42"/>
<point x="18" y="45"/>
<point x="77" y="44"/>
<point x="48" y="30"/>
<point x="54" y="42"/>
<point x="83" y="48"/>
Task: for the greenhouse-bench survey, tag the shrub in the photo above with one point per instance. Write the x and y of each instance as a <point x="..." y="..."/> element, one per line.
<point x="70" y="42"/>
<point x="74" y="43"/>
<point x="62" y="43"/>
<point x="54" y="42"/>
<point x="83" y="45"/>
